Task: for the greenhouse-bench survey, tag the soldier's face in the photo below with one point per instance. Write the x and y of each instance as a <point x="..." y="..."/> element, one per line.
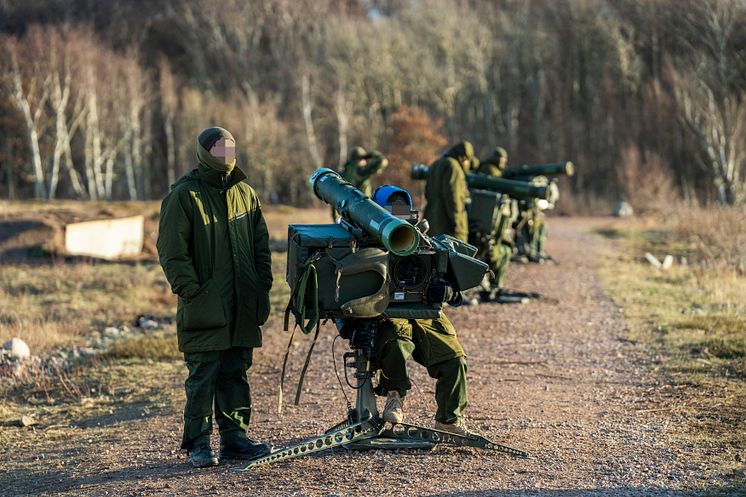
<point x="503" y="162"/>
<point x="224" y="150"/>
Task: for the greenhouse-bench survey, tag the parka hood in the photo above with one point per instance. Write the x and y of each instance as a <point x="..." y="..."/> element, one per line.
<point x="463" y="152"/>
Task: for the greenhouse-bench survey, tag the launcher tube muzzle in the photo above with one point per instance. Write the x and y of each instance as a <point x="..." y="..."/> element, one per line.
<point x="397" y="235"/>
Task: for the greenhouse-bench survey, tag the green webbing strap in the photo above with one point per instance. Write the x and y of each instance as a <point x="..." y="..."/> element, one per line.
<point x="284" y="366"/>
<point x="305" y="366"/>
<point x="299" y="295"/>
<point x="308" y="274"/>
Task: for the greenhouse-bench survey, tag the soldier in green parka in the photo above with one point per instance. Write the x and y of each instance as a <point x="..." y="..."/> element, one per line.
<point x="447" y="194"/>
<point x="213" y="245"/>
<point x="360" y="167"/>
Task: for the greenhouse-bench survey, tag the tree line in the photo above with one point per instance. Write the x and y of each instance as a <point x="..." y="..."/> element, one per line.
<point x="104" y="100"/>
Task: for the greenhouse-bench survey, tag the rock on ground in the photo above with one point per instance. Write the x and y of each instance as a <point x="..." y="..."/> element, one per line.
<point x="19" y="350"/>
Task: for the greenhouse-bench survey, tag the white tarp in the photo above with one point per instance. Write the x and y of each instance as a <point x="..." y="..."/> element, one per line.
<point x="106" y="239"/>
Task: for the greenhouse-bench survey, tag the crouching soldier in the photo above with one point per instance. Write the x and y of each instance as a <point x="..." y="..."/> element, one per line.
<point x="430" y="342"/>
<point x="213" y="246"/>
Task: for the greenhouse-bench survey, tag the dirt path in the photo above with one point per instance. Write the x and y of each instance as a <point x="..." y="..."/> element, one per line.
<point x="555" y="377"/>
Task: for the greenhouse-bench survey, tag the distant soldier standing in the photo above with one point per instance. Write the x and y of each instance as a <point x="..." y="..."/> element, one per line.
<point x="538" y="234"/>
<point x="360" y="167"/>
<point x="447" y="193"/>
<point x="531" y="227"/>
<point x="213" y="246"/>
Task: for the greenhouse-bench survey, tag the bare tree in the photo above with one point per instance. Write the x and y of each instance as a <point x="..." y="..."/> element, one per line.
<point x="307" y="105"/>
<point x="67" y="116"/>
<point x="132" y="114"/>
<point x="712" y="93"/>
<point x="30" y="92"/>
<point x="169" y="108"/>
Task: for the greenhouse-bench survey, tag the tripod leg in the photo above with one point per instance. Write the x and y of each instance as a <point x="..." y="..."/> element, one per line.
<point x="343" y="436"/>
<point x="414" y="432"/>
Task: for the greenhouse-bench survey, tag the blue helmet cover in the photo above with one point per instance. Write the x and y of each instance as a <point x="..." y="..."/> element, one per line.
<point x="384" y="192"/>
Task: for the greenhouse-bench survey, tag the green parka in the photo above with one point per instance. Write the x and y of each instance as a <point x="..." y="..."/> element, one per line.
<point x="447" y="194"/>
<point x="213" y="245"/>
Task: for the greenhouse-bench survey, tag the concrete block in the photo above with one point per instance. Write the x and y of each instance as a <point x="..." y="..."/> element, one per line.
<point x="108" y="239"/>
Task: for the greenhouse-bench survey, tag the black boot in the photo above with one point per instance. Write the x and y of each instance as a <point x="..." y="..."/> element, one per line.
<point x="243" y="448"/>
<point x="203" y="457"/>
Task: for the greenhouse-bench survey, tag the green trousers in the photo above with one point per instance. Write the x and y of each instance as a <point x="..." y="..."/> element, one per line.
<point x="538" y="235"/>
<point x="432" y="343"/>
<point x="217" y="379"/>
<point x="499" y="260"/>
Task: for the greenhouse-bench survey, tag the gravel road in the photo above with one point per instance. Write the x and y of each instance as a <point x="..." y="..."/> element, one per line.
<point x="555" y="377"/>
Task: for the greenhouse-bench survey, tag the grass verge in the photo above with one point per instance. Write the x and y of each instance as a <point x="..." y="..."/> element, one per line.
<point x="692" y="318"/>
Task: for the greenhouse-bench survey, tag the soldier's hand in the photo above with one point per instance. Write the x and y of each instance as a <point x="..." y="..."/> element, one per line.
<point x="439" y="291"/>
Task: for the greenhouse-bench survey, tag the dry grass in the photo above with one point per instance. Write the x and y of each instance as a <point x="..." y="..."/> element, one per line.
<point x="716" y="235"/>
<point x="692" y="316"/>
<point x="51" y="305"/>
<point x="279" y="216"/>
<point x="59" y="304"/>
<point x="158" y="347"/>
<point x="54" y="304"/>
<point x="697" y="309"/>
<point x="102" y="388"/>
<point x="83" y="210"/>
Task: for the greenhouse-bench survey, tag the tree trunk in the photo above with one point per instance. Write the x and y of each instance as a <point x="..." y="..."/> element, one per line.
<point x="343" y="123"/>
<point x="33" y="137"/>
<point x="168" y="125"/>
<point x="308" y="120"/>
<point x="130" y="171"/>
<point x="109" y="163"/>
<point x="60" y="98"/>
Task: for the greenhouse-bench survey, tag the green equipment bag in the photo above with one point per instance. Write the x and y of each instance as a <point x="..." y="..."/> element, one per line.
<point x="350" y="280"/>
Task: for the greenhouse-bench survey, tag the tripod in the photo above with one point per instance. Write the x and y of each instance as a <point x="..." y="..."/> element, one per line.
<point x="363" y="429"/>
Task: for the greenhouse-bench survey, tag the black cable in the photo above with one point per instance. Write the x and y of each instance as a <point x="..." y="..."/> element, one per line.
<point x="347" y="379"/>
<point x="336" y="372"/>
